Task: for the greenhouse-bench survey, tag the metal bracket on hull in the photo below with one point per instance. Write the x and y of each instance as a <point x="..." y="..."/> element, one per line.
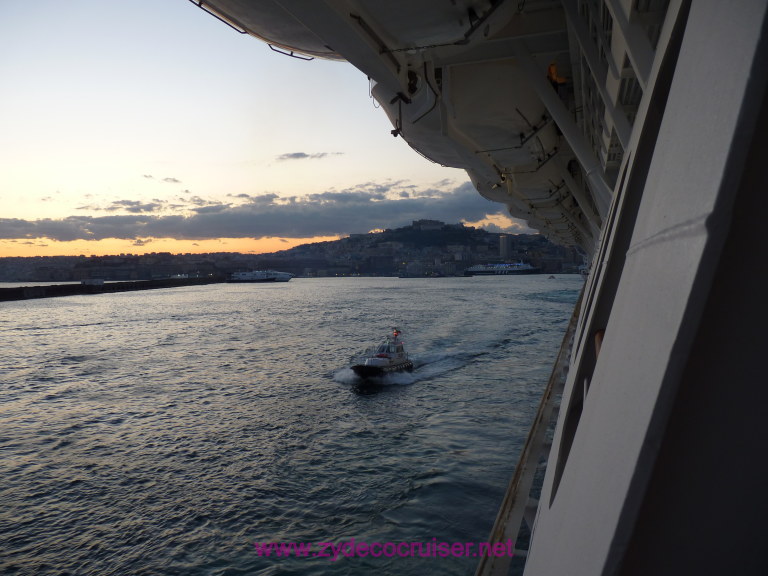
<point x="231" y="22"/>
<point x="524" y="138"/>
<point x="292" y="54"/>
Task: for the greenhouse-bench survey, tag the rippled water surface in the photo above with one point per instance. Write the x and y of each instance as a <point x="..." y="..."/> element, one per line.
<point x="166" y="431"/>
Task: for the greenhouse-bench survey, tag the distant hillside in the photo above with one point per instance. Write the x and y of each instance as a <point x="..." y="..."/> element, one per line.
<point x="425" y="248"/>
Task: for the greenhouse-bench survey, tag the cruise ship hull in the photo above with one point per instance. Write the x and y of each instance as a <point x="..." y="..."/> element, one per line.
<point x="257" y="276"/>
<point x="259" y="280"/>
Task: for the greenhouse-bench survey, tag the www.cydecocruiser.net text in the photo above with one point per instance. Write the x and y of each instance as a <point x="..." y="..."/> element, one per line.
<point x="351" y="548"/>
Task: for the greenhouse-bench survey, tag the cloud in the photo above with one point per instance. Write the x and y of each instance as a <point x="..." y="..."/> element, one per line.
<point x="169" y="180"/>
<point x="211" y="208"/>
<point x="197" y="201"/>
<point x="134" y="206"/>
<point x="194" y="204"/>
<point x="364" y="207"/>
<point x="305" y="156"/>
<point x="130" y="206"/>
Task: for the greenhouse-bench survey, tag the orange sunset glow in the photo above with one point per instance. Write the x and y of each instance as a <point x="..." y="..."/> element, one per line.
<point x="47" y="247"/>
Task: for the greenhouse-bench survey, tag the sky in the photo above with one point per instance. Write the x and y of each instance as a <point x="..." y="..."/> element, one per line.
<point x="150" y="126"/>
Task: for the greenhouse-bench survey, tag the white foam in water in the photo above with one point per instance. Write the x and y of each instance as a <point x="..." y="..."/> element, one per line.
<point x="430" y="365"/>
<point x="347" y="376"/>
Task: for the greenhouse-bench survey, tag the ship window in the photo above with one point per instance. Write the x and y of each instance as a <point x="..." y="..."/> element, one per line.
<point x="630" y="92"/>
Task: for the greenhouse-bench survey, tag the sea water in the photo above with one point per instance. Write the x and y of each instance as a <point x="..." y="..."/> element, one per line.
<point x="172" y="431"/>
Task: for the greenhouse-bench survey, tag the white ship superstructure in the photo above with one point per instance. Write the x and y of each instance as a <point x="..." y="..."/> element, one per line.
<point x="637" y="130"/>
<point x="501" y="269"/>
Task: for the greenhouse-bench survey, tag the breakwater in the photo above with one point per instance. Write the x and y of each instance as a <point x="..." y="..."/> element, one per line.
<point x="55" y="290"/>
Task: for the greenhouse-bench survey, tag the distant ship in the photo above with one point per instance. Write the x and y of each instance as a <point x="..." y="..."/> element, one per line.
<point x="501" y="269"/>
<point x="261" y="276"/>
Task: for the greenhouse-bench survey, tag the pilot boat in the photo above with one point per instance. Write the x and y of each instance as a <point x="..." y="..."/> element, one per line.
<point x="389" y="356"/>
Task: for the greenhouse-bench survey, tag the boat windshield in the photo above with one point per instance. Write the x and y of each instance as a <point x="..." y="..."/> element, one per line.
<point x="389" y="347"/>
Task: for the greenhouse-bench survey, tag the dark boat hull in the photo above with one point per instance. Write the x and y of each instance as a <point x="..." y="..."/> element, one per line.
<point x="259" y="281"/>
<point x="366" y="372"/>
<point x="504" y="272"/>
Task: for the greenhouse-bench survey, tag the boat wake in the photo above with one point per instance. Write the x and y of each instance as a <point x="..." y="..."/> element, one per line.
<point x="425" y="367"/>
<point x="347" y="376"/>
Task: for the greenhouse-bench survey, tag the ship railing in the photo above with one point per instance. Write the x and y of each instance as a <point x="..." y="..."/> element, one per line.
<point x="362" y="356"/>
<point x="514" y="521"/>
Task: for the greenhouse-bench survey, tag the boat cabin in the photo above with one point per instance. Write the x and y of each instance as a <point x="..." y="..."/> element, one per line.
<point x="389" y="347"/>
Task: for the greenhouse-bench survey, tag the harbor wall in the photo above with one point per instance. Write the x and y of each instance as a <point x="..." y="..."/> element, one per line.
<point x="55" y="290"/>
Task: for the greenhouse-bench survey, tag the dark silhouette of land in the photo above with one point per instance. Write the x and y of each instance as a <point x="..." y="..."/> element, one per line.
<point x="426" y="248"/>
